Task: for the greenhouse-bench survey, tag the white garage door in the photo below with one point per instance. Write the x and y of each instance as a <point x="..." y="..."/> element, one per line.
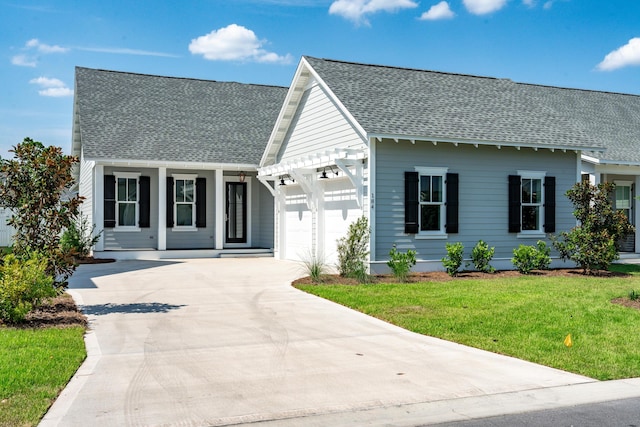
<point x="340" y="211"/>
<point x="298" y="226"/>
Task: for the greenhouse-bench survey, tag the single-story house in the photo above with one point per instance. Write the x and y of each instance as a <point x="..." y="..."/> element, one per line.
<point x="170" y="163"/>
<point x="428" y="157"/>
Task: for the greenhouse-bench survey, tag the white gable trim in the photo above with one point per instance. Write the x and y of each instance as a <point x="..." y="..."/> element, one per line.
<point x="305" y="75"/>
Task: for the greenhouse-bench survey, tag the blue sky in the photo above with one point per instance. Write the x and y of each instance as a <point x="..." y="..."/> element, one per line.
<point x="585" y="44"/>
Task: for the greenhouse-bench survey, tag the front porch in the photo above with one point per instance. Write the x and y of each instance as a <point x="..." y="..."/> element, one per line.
<point x="154" y="254"/>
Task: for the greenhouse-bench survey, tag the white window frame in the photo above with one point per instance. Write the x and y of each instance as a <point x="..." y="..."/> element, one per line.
<point x="442" y="173"/>
<point x="184" y="177"/>
<point x="619" y="183"/>
<point x="539" y="232"/>
<point x="128" y="175"/>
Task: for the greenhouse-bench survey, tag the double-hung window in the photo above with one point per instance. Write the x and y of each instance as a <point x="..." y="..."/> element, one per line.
<point x="431" y="199"/>
<point x="531" y="203"/>
<point x="127" y="213"/>
<point x="185" y="199"/>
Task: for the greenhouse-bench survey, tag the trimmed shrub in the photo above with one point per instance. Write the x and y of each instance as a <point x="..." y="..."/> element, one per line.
<point x="453" y="261"/>
<point x="528" y="258"/>
<point x="401" y="263"/>
<point x="481" y="256"/>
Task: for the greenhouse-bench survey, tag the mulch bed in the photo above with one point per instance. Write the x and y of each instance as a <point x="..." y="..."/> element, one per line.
<point x="59" y="312"/>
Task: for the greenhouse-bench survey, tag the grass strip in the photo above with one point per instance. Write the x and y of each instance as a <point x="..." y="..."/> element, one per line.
<point x="527" y="317"/>
<point x="35" y="365"/>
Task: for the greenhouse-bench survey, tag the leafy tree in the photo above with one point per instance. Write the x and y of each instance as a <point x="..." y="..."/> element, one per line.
<point x="36" y="184"/>
<point x="592" y="243"/>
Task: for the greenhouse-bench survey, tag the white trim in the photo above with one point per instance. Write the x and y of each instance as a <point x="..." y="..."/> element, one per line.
<point x="532" y="174"/>
<point x="433" y="234"/>
<point x="127" y="228"/>
<point x="184" y="177"/>
<point x="98" y="204"/>
<point x="372" y="192"/>
<point x="219" y="208"/>
<point x="499" y="144"/>
<point x="247" y="196"/>
<point x="539" y="232"/>
<point x="247" y="167"/>
<point x="162" y="209"/>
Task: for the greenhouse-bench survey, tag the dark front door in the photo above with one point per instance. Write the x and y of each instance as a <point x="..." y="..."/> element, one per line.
<point x="236" y="212"/>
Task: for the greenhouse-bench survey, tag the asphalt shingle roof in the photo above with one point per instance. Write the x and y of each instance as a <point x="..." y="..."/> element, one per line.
<point x="399" y="101"/>
<point x="143" y="117"/>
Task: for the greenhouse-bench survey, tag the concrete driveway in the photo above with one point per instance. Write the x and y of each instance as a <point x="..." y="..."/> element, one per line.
<point x="210" y="342"/>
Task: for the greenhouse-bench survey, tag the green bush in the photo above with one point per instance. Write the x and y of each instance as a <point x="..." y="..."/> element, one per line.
<point x="481" y="256"/>
<point x="592" y="243"/>
<point x="527" y="258"/>
<point x="634" y="295"/>
<point x="453" y="260"/>
<point x="24" y="284"/>
<point x="401" y="263"/>
<point x="79" y="238"/>
<point x="353" y="250"/>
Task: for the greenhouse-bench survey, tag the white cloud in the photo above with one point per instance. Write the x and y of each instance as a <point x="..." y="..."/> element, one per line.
<point x="45" y="48"/>
<point x="438" y="11"/>
<point x="23" y="60"/>
<point x="356" y="10"/>
<point x="626" y="55"/>
<point x="234" y="43"/>
<point x="482" y="7"/>
<point x="530" y="3"/>
<point x="52" y="87"/>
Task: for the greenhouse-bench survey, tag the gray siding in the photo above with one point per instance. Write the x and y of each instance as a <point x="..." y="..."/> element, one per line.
<point x="317" y="126"/>
<point x="146" y="238"/>
<point x="261" y="216"/>
<point x="203" y="238"/>
<point x="483" y="174"/>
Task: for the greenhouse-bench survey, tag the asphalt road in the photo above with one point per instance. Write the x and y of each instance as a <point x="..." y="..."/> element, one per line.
<point x="616" y="413"/>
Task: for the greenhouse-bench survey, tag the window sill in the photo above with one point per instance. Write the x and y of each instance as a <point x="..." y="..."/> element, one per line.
<point x="532" y="235"/>
<point x="439" y="236"/>
<point x="184" y="229"/>
<point x="127" y="229"/>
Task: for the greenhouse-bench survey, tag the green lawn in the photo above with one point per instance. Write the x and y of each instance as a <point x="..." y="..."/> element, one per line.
<point x="35" y="365"/>
<point x="527" y="317"/>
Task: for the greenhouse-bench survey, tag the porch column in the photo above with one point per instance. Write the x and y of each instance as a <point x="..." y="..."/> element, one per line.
<point x="98" y="204"/>
<point x="162" y="209"/>
<point x="220" y="209"/>
<point x="636" y="213"/>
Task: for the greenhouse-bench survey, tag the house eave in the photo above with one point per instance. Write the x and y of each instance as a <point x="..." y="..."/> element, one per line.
<point x="605" y="162"/>
<point x="498" y="144"/>
<point x="173" y="164"/>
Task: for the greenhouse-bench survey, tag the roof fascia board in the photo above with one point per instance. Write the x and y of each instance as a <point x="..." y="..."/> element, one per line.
<point x="174" y="164"/>
<point x="600" y="162"/>
<point x="279" y="121"/>
<point x="499" y="144"/>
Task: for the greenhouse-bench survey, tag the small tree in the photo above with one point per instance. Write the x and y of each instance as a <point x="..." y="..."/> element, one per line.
<point x="353" y="250"/>
<point x="592" y="243"/>
<point x="33" y="185"/>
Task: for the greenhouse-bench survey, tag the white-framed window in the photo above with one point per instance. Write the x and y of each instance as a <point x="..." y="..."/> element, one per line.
<point x="185" y="201"/>
<point x="431" y="201"/>
<point x="532" y="201"/>
<point x="127" y="194"/>
<point x="624" y="198"/>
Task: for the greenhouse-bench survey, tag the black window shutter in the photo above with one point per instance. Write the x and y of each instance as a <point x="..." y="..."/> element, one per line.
<point x="201" y="202"/>
<point x="514" y="204"/>
<point x="452" y="203"/>
<point x="109" y="201"/>
<point x="550" y="204"/>
<point x="144" y="203"/>
<point x="411" y="202"/>
<point x="169" y="201"/>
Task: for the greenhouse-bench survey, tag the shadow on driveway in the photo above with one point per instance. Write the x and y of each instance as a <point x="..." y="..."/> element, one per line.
<point x="141" y="307"/>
